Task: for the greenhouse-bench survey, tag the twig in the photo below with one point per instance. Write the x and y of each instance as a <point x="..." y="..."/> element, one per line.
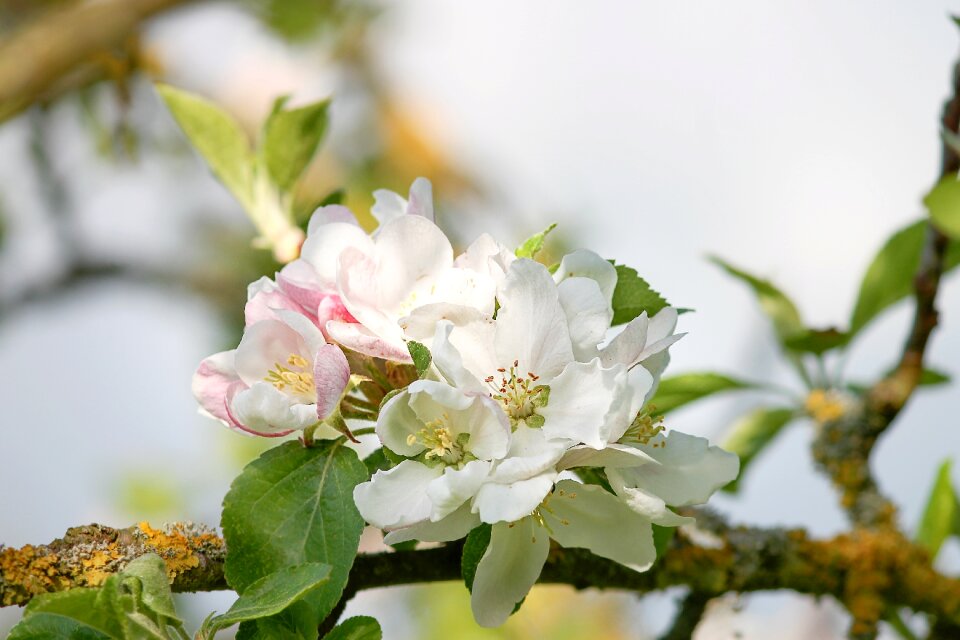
<point x="66" y="42"/>
<point x="688" y="617"/>
<point x="843" y="448"/>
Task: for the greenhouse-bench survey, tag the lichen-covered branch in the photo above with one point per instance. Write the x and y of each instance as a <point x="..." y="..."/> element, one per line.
<point x="869" y="571"/>
<point x="65" y="43"/>
<point x="688" y="616"/>
<point x="86" y="556"/>
<point x="843" y="447"/>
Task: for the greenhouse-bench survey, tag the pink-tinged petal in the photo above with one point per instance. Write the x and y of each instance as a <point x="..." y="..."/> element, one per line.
<point x="359" y="286"/>
<point x="322" y="249"/>
<point x="331" y="373"/>
<point x="299" y="282"/>
<point x="264" y="297"/>
<point x="235" y="424"/>
<point x="330" y="214"/>
<point x="331" y="308"/>
<point x="358" y="338"/>
<point x="421" y="199"/>
<point x="211" y="381"/>
<point x="264" y="410"/>
<point x="265" y="344"/>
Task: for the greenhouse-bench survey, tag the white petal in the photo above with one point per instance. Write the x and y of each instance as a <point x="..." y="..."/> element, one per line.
<point x="486" y="255"/>
<point x="409" y="249"/>
<point x="421" y="324"/>
<point x="613" y="456"/>
<point x="589" y="517"/>
<point x="332" y="213"/>
<point x="662" y="325"/>
<point x="587" y="264"/>
<point x="508" y="502"/>
<point x="358" y="338"/>
<point x="530" y="454"/>
<point x="687" y="471"/>
<point x="323" y="247"/>
<point x="588" y="404"/>
<point x="264" y="410"/>
<point x="508" y="569"/>
<point x="588" y="315"/>
<point x="396" y="497"/>
<point x="646" y="504"/>
<point x="450" y="361"/>
<point x="455" y="526"/>
<point x="397" y="421"/>
<point x="421" y="199"/>
<point x="531" y="326"/>
<point x="627" y="345"/>
<point x="362" y="292"/>
<point x="455" y="487"/>
<point x="387" y="205"/>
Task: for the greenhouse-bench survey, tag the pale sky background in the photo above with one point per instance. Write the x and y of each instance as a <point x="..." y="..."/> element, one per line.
<point x="791" y="137"/>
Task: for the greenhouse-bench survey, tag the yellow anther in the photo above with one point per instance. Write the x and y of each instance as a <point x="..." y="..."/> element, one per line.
<point x="297" y="382"/>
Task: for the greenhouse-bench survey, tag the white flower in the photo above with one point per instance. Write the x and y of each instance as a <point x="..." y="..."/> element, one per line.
<point x="575" y="515"/>
<point x="455" y="437"/>
<point x="525" y="359"/>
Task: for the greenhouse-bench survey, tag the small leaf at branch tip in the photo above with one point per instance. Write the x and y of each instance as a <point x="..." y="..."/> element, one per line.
<point x="941" y="516"/>
<point x="534" y="244"/>
<point x="676" y="391"/>
<point x="943" y="202"/>
<point x="356" y="628"/>
<point x="775" y="304"/>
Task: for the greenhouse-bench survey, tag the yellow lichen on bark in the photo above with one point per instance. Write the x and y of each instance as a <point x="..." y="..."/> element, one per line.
<point x="87" y="556"/>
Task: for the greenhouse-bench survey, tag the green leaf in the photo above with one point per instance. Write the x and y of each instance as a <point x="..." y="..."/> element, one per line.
<point x="421" y="356"/>
<point x="943" y="202"/>
<point x="534" y="244"/>
<point x="679" y="390"/>
<point x="151" y="570"/>
<point x="932" y="377"/>
<point x="778" y="307"/>
<point x="752" y="433"/>
<point x="274" y="593"/>
<point x="290" y="139"/>
<point x="291" y="506"/>
<point x="662" y="537"/>
<point x="473" y="549"/>
<point x="941" y="517"/>
<point x="217" y="136"/>
<point x="377" y="461"/>
<point x="52" y="626"/>
<point x="889" y="278"/>
<point x="632" y="296"/>
<point x="78" y="604"/>
<point x="817" y="341"/>
<point x="356" y="628"/>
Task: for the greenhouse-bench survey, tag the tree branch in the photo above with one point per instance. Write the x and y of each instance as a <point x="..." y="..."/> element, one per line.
<point x="869" y="571"/>
<point x="688" y="617"/>
<point x="66" y="42"/>
<point x="843" y="448"/>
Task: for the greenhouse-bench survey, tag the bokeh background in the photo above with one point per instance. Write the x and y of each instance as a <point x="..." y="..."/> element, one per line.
<point x="790" y="137"/>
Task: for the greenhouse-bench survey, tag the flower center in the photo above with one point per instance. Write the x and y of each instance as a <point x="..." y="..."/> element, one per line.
<point x="437" y="437"/>
<point x="295" y="378"/>
<point x="519" y="395"/>
<point x="644" y="428"/>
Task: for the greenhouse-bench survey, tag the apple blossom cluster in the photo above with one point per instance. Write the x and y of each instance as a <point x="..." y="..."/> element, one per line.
<point x="528" y="397"/>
